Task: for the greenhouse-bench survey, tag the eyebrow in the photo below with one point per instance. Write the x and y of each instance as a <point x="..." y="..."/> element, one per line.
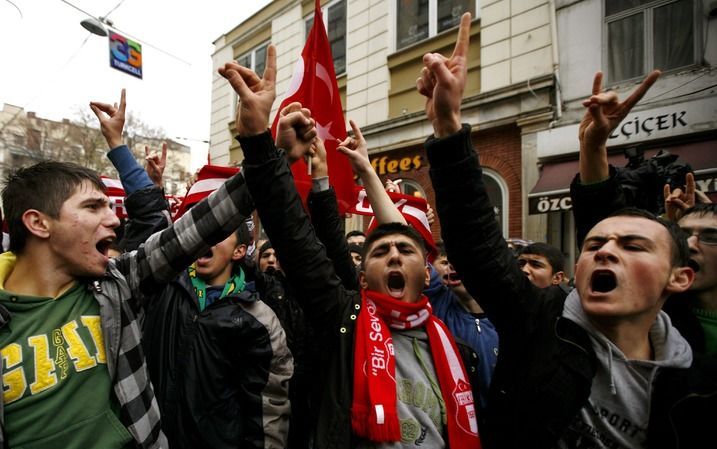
<point x="101" y="201"/>
<point x="400" y="245"/>
<point x="621" y="239"/>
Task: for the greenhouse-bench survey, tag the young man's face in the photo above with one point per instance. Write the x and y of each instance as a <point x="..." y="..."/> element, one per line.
<point x="446" y="271"/>
<point x="81" y="235"/>
<point x="624" y="270"/>
<point x="539" y="270"/>
<point x="356" y="240"/>
<point x="356" y="258"/>
<point x="395" y="265"/>
<point x="703" y="255"/>
<point x="268" y="261"/>
<point x="215" y="266"/>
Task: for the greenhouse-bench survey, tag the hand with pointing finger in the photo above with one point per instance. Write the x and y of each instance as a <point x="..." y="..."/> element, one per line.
<point x="604" y="112"/>
<point x="156" y="165"/>
<point x="442" y="82"/>
<point x="111" y="119"/>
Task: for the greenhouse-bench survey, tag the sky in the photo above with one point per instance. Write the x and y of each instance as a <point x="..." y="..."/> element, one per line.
<point x="46" y="67"/>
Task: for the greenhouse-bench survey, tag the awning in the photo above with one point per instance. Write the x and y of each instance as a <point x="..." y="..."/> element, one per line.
<point x="552" y="191"/>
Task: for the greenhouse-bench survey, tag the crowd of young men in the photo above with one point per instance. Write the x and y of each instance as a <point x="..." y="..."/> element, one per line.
<point x="176" y="342"/>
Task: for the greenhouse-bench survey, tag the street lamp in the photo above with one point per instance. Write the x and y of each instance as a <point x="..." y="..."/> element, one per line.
<point x="96" y="26"/>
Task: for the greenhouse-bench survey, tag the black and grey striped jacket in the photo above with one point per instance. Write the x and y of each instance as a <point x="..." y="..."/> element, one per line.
<point x="131" y="279"/>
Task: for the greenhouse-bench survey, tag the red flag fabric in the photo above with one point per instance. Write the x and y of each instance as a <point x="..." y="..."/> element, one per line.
<point x="413" y="209"/>
<point x="313" y="84"/>
<point x="209" y="178"/>
<point x="115" y="192"/>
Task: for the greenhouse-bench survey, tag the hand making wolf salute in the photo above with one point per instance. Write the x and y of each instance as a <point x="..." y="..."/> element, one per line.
<point x="597" y="369"/>
<point x="381" y="344"/>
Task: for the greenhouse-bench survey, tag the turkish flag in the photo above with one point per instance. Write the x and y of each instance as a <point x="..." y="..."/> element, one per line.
<point x="314" y="86"/>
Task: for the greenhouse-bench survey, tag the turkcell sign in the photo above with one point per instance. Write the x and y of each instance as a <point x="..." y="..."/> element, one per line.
<point x="125" y="55"/>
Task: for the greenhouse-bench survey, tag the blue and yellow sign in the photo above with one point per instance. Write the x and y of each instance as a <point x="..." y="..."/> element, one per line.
<point x="125" y="55"/>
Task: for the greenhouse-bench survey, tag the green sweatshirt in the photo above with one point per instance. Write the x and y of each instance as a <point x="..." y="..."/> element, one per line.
<point x="57" y="390"/>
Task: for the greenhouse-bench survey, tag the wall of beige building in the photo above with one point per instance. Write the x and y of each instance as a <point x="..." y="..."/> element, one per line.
<point x="517" y="66"/>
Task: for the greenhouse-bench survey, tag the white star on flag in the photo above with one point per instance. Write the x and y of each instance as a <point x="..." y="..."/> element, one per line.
<point x="324" y="132"/>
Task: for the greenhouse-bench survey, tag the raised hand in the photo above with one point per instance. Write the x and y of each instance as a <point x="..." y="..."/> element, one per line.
<point x="356" y="149"/>
<point x="442" y="82"/>
<point x="156" y="165"/>
<point x="679" y="200"/>
<point x="604" y="112"/>
<point x="111" y="119"/>
<point x="256" y="94"/>
<point x="296" y="131"/>
<point x="319" y="167"/>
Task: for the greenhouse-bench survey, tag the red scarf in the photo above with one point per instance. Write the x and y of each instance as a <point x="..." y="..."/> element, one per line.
<point x="374" y="414"/>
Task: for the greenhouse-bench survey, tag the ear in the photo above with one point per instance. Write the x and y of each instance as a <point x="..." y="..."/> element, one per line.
<point x="37" y="223"/>
<point x="558" y="278"/>
<point x="428" y="277"/>
<point x="362" y="279"/>
<point x="680" y="280"/>
<point x="239" y="252"/>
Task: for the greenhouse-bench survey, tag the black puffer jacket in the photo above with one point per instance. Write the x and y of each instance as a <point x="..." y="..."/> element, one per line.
<point x="546" y="363"/>
<point x="220" y="375"/>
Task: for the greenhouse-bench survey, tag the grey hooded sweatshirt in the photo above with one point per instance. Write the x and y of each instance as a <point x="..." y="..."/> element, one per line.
<point x="618" y="408"/>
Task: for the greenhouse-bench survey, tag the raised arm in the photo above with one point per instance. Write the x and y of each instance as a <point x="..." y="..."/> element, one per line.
<point x="329" y="225"/>
<point x="146" y="206"/>
<point x="595" y="191"/>
<point x="604" y="112"/>
<point x="269" y="178"/>
<point x="472" y="236"/>
<point x="356" y="149"/>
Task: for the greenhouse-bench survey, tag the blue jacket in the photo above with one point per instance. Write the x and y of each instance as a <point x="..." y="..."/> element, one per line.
<point x="478" y="333"/>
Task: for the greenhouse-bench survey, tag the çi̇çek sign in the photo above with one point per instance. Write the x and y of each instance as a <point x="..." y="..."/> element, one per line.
<point x="125" y="55"/>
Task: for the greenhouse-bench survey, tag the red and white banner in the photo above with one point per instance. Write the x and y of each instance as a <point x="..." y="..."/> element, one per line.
<point x="314" y="85"/>
<point x="413" y="209"/>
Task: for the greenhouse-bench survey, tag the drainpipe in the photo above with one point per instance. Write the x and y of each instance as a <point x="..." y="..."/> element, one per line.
<point x="556" y="63"/>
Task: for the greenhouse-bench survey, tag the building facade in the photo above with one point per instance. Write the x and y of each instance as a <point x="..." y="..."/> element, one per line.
<point x="378" y="47"/>
<point x="26" y="138"/>
<point x="627" y="40"/>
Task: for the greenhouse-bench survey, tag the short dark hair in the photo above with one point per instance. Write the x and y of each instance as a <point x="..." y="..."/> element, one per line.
<point x="553" y="255"/>
<point x="385" y="229"/>
<point x="45" y="187"/>
<point x="680" y="248"/>
<point x="355" y="233"/>
<point x="441" y="248"/>
<point x="244" y="237"/>
<point x="701" y="210"/>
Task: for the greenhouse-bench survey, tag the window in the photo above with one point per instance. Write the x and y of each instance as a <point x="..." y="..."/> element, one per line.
<point x="647" y="34"/>
<point x="498" y="194"/>
<point x="411" y="187"/>
<point x="255" y="59"/>
<point x="417" y="20"/>
<point x="334" y="15"/>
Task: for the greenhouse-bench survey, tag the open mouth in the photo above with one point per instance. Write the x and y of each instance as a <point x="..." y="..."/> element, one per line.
<point x="103" y="246"/>
<point x="451" y="278"/>
<point x="396" y="284"/>
<point x="206" y="257"/>
<point x="603" y="281"/>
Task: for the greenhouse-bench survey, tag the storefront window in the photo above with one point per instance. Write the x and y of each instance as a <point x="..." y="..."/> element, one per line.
<point x="497" y="192"/>
<point x="411" y="187"/>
